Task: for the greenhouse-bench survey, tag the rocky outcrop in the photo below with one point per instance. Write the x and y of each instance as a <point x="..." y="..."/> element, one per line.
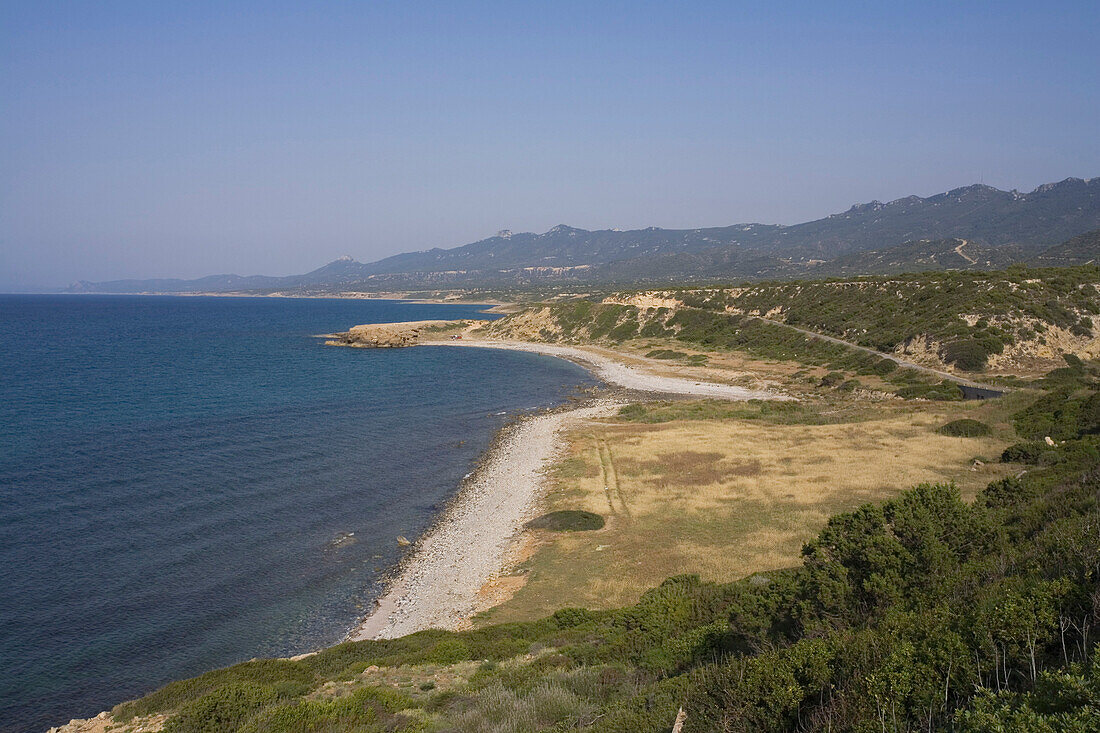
<point x="105" y="723"/>
<point x="389" y="335"/>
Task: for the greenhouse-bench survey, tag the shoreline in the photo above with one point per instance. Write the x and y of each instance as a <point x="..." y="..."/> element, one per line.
<point x="619" y="374"/>
<point x="439" y="584"/>
<point x="348" y="295"/>
<point x="474" y="540"/>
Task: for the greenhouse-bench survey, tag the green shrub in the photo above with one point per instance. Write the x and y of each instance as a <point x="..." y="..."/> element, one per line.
<point x="625" y="330"/>
<point x="1024" y="452"/>
<point x="566" y="618"/>
<point x="882" y="367"/>
<point x="944" y="391"/>
<point x="280" y="676"/>
<point x="1073" y="361"/>
<point x="449" y="651"/>
<point x="567" y="520"/>
<point x="666" y="354"/>
<point x="1007" y="492"/>
<point x="369" y="710"/>
<point x="225" y="708"/>
<point x="969" y="355"/>
<point x="965" y="428"/>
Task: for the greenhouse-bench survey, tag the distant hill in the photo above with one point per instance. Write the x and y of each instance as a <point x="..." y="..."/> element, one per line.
<point x="1081" y="250"/>
<point x="913" y="233"/>
<point x="922" y="256"/>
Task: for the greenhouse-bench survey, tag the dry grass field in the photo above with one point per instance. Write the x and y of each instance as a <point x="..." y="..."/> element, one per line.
<point x="726" y="490"/>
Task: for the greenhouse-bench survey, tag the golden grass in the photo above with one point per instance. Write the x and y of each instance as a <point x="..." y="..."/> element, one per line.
<point x="726" y="498"/>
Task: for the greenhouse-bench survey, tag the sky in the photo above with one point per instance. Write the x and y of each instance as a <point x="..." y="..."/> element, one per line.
<point x="184" y="139"/>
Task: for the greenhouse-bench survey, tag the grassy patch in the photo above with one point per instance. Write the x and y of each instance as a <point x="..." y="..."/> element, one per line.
<point x="776" y="413"/>
<point x="688" y="359"/>
<point x="666" y="354"/>
<point x="574" y="468"/>
<point x="568" y="520"/>
<point x="725" y="489"/>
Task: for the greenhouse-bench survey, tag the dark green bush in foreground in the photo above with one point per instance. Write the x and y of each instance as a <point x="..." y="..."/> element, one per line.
<point x="923" y="613"/>
<point x="965" y="428"/>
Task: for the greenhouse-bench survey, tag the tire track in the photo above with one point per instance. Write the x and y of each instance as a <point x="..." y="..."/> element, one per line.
<point x="612" y="489"/>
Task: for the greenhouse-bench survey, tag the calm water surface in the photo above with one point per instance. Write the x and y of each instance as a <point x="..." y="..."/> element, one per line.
<point x="190" y="482"/>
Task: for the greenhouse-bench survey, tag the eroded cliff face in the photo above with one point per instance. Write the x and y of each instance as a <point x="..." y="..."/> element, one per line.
<point x="389" y="335"/>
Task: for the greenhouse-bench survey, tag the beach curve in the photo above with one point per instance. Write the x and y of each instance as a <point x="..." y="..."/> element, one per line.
<point x="439" y="584"/>
<point x="619" y="374"/>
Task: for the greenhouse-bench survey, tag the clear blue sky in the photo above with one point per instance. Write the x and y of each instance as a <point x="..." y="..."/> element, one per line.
<point x="181" y="139"/>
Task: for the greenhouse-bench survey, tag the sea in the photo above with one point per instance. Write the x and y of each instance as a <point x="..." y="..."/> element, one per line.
<point x="189" y="482"/>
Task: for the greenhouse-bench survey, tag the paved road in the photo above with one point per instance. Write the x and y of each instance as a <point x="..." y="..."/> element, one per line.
<point x="896" y="359"/>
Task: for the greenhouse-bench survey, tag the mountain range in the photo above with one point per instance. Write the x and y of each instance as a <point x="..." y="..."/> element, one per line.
<point x="975" y="227"/>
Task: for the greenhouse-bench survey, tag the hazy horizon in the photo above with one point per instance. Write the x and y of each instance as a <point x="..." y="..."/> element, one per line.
<point x="156" y="141"/>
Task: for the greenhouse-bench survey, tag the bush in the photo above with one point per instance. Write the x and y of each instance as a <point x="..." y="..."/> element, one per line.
<point x="666" y="354"/>
<point x="885" y="366"/>
<point x="965" y="428"/>
<point x="968" y="355"/>
<point x="449" y="651"/>
<point x="567" y="618"/>
<point x="944" y="391"/>
<point x="568" y="520"/>
<point x="1007" y="492"/>
<point x="225" y="708"/>
<point x="1024" y="452"/>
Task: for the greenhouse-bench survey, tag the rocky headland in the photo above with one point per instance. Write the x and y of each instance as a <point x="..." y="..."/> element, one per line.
<point x="388" y="335"/>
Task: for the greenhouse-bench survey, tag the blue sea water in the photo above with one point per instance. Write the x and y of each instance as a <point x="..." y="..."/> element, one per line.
<point x="180" y="478"/>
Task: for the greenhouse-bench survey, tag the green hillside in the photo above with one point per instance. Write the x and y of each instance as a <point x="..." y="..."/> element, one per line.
<point x="1080" y="250"/>
<point x="967" y="316"/>
<point x="959" y="319"/>
<point x="921" y="256"/>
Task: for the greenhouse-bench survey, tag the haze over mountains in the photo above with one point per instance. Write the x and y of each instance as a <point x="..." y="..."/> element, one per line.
<point x="976" y="227"/>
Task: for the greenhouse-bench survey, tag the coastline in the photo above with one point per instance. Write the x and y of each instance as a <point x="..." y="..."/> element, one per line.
<point x="439" y="584"/>
<point x="443" y="582"/>
<point x="620" y="374"/>
<point x="401" y="296"/>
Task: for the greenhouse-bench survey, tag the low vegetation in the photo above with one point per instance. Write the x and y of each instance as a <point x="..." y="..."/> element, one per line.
<point x="585" y="322"/>
<point x="969" y="316"/>
<point x="775" y="413"/>
<point x="568" y="520"/>
<point x="958" y="319"/>
<point x="924" y="612"/>
<point x="965" y="428"/>
<point x="725" y="489"/>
